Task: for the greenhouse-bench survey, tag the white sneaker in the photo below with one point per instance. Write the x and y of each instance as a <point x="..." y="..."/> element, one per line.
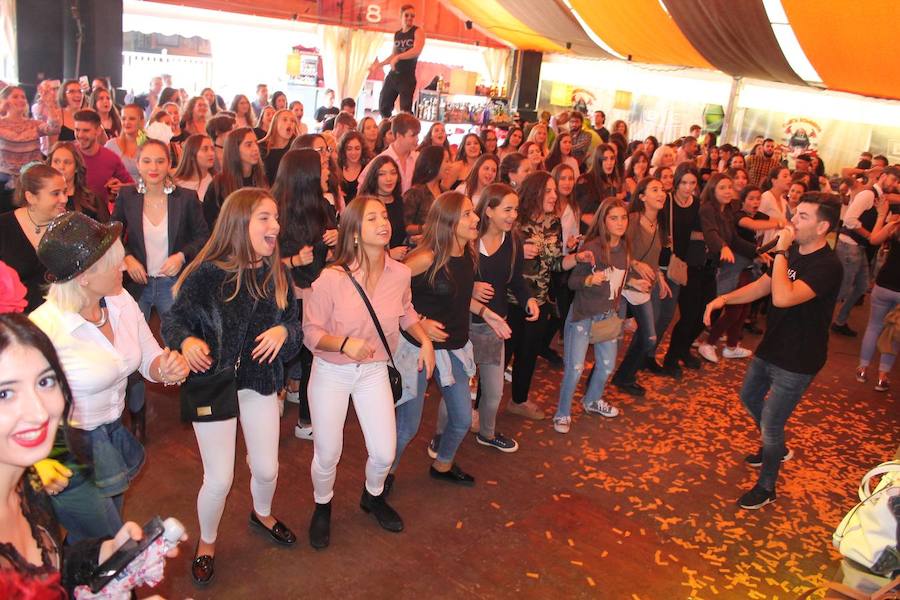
<point x="708" y="351"/>
<point x="562" y="424"/>
<point x="303" y="432"/>
<point x="737" y="352"/>
<point x="476" y="421"/>
<point x="602" y="408"/>
<point x="507" y="374"/>
<point x="293" y="397"/>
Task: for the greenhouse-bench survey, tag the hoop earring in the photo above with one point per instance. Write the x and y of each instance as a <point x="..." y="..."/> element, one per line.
<point x="141" y="187"/>
<point x="355" y="240"/>
<point x="169" y="185"/>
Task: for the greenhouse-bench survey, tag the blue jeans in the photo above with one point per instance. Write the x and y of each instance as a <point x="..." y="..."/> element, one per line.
<point x="784" y="390"/>
<point x="84" y="511"/>
<point x="663" y="310"/>
<point x="115" y="455"/>
<point x="157" y="293"/>
<point x="575" y="345"/>
<point x="882" y="302"/>
<point x="643" y="342"/>
<point x="459" y="414"/>
<point x="856" y="278"/>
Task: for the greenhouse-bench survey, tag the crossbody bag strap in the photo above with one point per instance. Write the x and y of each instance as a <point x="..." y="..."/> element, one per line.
<point x="372" y="314"/>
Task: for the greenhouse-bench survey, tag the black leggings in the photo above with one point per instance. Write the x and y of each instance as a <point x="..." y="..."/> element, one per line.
<point x="699" y="290"/>
<point x="525" y="344"/>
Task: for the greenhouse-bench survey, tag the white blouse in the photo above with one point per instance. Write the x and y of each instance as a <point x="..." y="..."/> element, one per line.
<point x="156" y="242"/>
<point x="97" y="370"/>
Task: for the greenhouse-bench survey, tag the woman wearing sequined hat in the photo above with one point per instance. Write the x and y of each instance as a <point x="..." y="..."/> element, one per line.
<point x="101" y="337"/>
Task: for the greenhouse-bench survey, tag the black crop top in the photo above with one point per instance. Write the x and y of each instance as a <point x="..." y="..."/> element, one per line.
<point x="446" y="301"/>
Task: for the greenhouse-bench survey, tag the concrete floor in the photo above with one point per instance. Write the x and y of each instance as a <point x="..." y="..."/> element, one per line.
<point x="637" y="507"/>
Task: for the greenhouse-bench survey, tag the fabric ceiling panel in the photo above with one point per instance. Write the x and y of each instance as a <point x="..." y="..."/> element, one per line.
<point x="852" y="45"/>
<point x="640" y="28"/>
<point x="555" y="23"/>
<point x="735" y="37"/>
<point x="493" y="18"/>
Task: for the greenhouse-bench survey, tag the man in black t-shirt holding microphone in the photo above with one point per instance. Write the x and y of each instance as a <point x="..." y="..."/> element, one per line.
<point x="401" y="80"/>
<point x="804" y="284"/>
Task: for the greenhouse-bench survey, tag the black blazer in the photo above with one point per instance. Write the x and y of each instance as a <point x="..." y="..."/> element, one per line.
<point x="187" y="227"/>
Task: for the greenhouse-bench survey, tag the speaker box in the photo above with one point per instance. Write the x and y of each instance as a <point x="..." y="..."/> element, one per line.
<point x="529" y="74"/>
<point x="39" y="40"/>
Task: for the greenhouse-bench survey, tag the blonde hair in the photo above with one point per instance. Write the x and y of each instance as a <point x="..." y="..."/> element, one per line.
<point x="69" y="296"/>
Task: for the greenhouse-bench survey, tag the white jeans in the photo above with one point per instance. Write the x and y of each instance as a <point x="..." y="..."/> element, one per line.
<point x="330" y="386"/>
<point x="259" y="421"/>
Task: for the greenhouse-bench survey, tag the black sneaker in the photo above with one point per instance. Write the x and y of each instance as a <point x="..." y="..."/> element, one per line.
<point x="843" y="330"/>
<point x="552" y="357"/>
<point x="499" y="441"/>
<point x="671" y="370"/>
<point x="755" y="460"/>
<point x="756" y="498"/>
<point x="651" y="365"/>
<point x="633" y="388"/>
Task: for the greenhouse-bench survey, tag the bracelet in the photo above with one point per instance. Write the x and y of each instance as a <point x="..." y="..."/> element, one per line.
<point x="481" y="311"/>
<point x="781" y="253"/>
<point x="344" y="343"/>
<point x="291" y="261"/>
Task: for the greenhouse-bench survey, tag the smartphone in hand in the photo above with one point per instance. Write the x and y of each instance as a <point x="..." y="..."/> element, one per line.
<point x="126" y="553"/>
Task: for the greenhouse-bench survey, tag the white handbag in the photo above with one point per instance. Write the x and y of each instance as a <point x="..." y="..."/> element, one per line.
<point x="868" y="534"/>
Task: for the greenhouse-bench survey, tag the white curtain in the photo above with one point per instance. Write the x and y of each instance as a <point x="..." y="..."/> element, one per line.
<point x="347" y="55"/>
<point x="8" y="68"/>
<point x="495" y="61"/>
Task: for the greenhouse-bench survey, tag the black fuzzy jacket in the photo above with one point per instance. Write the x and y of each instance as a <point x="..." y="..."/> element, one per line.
<point x="200" y="310"/>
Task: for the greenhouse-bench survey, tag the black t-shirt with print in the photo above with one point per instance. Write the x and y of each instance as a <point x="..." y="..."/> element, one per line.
<point x="796" y="337"/>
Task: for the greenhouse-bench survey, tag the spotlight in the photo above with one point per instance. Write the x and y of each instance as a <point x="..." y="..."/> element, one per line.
<point x="568" y="45"/>
<point x="468" y="24"/>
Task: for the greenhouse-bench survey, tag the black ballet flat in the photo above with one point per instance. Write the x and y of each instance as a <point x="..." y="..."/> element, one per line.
<point x="279" y="532"/>
<point x="203" y="569"/>
<point x="455" y="475"/>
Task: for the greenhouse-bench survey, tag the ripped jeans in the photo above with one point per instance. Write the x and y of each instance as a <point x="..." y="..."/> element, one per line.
<point x="575" y="345"/>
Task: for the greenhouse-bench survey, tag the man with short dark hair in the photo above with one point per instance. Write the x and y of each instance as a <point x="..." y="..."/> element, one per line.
<point x="262" y="98"/>
<point x="328" y="110"/>
<point x="400" y="82"/>
<point x="150" y="99"/>
<point x="853" y="245"/>
<point x="758" y="167"/>
<point x="804" y="283"/>
<point x="599" y="126"/>
<point x="880" y="160"/>
<point x="216" y="128"/>
<point x="803" y="164"/>
<point x="695" y="131"/>
<point x="343" y="123"/>
<point x="105" y="171"/>
<point x="581" y="139"/>
<point x="405" y="128"/>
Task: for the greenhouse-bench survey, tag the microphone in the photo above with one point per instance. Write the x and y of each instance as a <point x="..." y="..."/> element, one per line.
<point x="768" y="245"/>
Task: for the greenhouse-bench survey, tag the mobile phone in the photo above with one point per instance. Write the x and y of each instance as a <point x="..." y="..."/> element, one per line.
<point x="122" y="557"/>
<point x="83" y="82"/>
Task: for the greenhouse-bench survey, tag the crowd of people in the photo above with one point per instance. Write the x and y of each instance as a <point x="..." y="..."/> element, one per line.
<point x="366" y="259"/>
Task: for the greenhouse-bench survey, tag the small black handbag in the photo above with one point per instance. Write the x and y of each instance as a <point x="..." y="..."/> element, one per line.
<point x="393" y="374"/>
<point x="213" y="397"/>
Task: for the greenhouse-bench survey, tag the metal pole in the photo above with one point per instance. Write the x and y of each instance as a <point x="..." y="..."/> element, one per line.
<point x="728" y="122"/>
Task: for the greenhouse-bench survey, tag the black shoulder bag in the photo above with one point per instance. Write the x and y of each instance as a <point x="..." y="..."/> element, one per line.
<point x="393" y="374"/>
<point x="213" y="397"/>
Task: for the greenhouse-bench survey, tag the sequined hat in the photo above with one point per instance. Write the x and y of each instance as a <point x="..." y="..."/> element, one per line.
<point x="73" y="242"/>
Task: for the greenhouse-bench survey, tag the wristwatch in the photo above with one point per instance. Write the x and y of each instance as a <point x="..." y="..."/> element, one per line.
<point x="783" y="253"/>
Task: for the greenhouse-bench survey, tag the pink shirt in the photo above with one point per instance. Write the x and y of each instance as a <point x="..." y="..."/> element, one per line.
<point x="334" y="307"/>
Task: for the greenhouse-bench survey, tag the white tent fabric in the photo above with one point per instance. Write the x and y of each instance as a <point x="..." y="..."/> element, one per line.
<point x="9" y="71"/>
<point x="351" y="53"/>
<point x="495" y="62"/>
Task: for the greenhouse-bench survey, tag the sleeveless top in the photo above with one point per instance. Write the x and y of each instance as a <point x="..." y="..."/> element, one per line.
<point x="404" y="41"/>
<point x="446" y="300"/>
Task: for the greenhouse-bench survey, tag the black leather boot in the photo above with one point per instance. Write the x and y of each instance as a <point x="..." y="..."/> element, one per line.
<point x="386" y="516"/>
<point x="320" y="526"/>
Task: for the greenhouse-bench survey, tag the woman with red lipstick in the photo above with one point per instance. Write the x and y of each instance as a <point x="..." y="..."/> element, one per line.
<point x="102" y="338"/>
<point x="162" y="230"/>
<point x="235" y="310"/>
<point x="36" y="398"/>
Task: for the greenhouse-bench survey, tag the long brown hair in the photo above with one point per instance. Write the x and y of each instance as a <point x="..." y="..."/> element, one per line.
<point x="113" y="111"/>
<point x="598" y="227"/>
<point x="83" y="197"/>
<point x="491" y="197"/>
<point x="231" y="178"/>
<point x="438" y="232"/>
<point x="472" y="179"/>
<point x="347" y="249"/>
<point x="188" y="168"/>
<point x="230" y="249"/>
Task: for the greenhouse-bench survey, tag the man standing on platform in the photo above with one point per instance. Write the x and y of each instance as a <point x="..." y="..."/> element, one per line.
<point x="401" y="80"/>
<point x="804" y="284"/>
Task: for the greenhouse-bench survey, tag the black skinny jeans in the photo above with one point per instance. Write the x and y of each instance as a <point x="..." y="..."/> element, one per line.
<point x="525" y="343"/>
<point x="699" y="290"/>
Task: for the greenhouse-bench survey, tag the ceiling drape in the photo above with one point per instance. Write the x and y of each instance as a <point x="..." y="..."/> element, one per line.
<point x="556" y="23"/>
<point x="735" y="36"/>
<point x="852" y="45"/>
<point x="495" y="19"/>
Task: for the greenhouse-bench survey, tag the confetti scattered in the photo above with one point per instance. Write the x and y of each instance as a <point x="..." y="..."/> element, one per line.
<point x="533" y="575"/>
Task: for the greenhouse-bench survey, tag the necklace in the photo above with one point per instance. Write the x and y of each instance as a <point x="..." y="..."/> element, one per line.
<point x="37" y="227"/>
<point x="103" y="318"/>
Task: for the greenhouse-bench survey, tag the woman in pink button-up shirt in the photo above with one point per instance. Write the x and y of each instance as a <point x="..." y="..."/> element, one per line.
<point x="350" y="359"/>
